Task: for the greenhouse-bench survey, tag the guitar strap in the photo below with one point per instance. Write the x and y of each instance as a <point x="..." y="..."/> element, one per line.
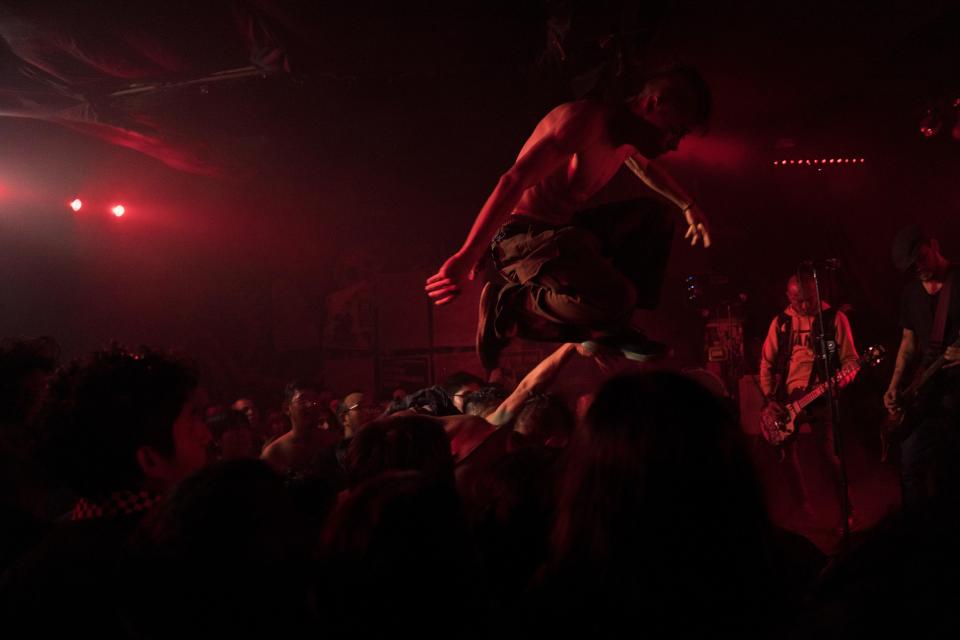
<point x="940" y="316"/>
<point x="817" y="374"/>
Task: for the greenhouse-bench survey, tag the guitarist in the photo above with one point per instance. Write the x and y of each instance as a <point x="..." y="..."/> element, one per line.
<point x="925" y="454"/>
<point x="790" y="365"/>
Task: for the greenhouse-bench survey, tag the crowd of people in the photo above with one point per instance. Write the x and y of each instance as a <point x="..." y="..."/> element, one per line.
<point x="135" y="507"/>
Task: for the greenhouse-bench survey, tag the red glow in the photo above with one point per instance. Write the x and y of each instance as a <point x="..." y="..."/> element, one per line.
<point x="118" y="210"/>
<point x="776" y="162"/>
<point x="76" y="204"/>
<point x="861" y="160"/>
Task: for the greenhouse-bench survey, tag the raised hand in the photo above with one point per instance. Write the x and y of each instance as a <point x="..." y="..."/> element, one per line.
<point x="444" y="286"/>
<point x="697" y="226"/>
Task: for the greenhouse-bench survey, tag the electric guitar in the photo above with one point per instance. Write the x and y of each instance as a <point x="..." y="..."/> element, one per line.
<point x="900" y="424"/>
<point x="778" y="427"/>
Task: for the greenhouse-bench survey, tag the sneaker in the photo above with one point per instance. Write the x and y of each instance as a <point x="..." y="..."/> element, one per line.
<point x="634" y="345"/>
<point x="489" y="344"/>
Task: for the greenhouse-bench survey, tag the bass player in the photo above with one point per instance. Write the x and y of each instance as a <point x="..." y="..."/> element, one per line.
<point x="790" y="364"/>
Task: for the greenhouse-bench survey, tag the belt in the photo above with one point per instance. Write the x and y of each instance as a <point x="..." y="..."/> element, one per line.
<point x="521" y="224"/>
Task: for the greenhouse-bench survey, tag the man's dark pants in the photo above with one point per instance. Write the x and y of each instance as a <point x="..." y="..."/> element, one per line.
<point x="571" y="283"/>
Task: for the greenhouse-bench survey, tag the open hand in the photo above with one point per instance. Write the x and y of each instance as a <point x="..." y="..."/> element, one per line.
<point x="444" y="286"/>
<point x="697" y="226"/>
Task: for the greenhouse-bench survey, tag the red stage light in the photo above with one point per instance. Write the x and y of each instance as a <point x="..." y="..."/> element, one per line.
<point x="776" y="162"/>
<point x="118" y="210"/>
<point x="76" y="204"/>
<point x="792" y="161"/>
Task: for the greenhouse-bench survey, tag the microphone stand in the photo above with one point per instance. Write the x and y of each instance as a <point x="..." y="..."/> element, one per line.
<point x="833" y="399"/>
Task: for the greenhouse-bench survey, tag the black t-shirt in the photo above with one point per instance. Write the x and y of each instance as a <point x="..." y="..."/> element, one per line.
<point x="917" y="311"/>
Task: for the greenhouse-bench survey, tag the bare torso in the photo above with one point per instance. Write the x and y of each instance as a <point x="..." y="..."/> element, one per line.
<point x="289" y="453"/>
<point x="570" y="187"/>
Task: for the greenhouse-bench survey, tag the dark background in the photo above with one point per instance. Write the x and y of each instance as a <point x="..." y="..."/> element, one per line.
<point x="374" y="153"/>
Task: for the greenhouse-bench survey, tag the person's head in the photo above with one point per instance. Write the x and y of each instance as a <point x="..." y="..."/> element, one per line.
<point x="484" y="401"/>
<point x="396" y="559"/>
<point x="544" y="420"/>
<point x="802" y="295"/>
<point x="248" y="408"/>
<point x="302" y="403"/>
<point x="355" y="411"/>
<point x="231" y="540"/>
<point x="675" y="102"/>
<point x="660" y="513"/>
<point x="232" y="434"/>
<point x="459" y="384"/>
<point x="917" y="253"/>
<point x="118" y="420"/>
<point x="658" y="453"/>
<point x="25" y="366"/>
<point x="930" y="263"/>
<point x="277" y="423"/>
<point x="409" y="442"/>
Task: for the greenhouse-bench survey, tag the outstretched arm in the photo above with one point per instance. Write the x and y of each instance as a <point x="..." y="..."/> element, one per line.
<point x="661" y="182"/>
<point x="564" y="133"/>
<point x="538" y="380"/>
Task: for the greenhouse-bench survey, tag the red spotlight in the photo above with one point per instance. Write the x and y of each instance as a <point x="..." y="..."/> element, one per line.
<point x="861" y="160"/>
<point x="76" y="204"/>
<point x="776" y="162"/>
<point x="792" y="161"/>
<point x="118" y="210"/>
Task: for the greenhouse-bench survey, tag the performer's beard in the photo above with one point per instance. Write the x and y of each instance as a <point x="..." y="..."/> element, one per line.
<point x="626" y="127"/>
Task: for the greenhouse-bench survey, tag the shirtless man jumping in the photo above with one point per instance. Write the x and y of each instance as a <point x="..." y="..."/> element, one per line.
<point x="575" y="272"/>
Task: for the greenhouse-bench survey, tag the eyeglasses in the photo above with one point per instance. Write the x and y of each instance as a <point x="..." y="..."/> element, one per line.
<point x="363" y="405"/>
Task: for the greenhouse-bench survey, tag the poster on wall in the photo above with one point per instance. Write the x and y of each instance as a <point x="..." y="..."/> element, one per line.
<point x="350" y="318"/>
